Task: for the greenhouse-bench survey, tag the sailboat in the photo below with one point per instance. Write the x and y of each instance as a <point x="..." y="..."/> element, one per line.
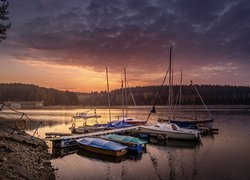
<point x="185" y="122"/>
<point x="171" y="130"/>
<point x="125" y="118"/>
<point x="96" y="127"/>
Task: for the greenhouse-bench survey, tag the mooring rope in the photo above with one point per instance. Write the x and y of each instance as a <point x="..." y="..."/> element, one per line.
<point x="202" y="100"/>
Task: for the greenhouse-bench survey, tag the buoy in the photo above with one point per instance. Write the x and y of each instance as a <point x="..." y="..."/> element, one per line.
<point x="21" y="124"/>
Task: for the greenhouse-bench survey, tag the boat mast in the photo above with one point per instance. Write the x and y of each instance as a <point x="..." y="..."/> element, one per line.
<point x="180" y="96"/>
<point x="172" y="93"/>
<point x="195" y="113"/>
<point x="126" y="92"/>
<point x="170" y="75"/>
<point x="170" y="78"/>
<point x="122" y="101"/>
<point x="108" y="93"/>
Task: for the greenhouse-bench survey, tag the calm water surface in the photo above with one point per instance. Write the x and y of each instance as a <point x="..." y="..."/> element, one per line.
<point x="222" y="156"/>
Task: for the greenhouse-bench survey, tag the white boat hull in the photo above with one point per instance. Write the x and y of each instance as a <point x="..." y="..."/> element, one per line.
<point x="180" y="133"/>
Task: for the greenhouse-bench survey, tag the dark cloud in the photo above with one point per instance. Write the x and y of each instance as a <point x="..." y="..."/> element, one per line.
<point x="133" y="33"/>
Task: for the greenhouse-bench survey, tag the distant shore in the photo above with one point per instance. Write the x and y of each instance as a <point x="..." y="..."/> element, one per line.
<point x="183" y="107"/>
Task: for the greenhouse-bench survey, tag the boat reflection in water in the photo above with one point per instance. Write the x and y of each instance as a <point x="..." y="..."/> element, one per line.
<point x="172" y="159"/>
<point x="183" y="144"/>
<point x="104" y="158"/>
<point x="180" y="158"/>
<point x="61" y="152"/>
<point x="175" y="143"/>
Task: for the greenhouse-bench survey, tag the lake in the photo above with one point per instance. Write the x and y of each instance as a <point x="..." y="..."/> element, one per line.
<point x="220" y="156"/>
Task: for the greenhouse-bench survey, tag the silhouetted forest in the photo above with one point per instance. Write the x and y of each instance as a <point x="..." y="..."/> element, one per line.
<point x="211" y="94"/>
<point x="26" y="92"/>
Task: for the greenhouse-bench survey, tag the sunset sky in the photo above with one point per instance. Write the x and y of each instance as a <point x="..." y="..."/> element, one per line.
<point x="66" y="44"/>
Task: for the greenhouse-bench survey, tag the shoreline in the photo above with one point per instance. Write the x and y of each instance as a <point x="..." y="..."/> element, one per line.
<point x="144" y="107"/>
<point x="23" y="157"/>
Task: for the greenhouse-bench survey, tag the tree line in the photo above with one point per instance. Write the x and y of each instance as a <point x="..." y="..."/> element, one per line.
<point x="29" y="92"/>
<point x="211" y="94"/>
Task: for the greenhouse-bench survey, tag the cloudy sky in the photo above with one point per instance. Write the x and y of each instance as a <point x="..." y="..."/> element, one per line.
<point x="67" y="44"/>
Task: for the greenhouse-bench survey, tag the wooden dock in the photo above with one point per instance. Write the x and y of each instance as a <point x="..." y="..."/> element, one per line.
<point x="56" y="134"/>
<point x="66" y="141"/>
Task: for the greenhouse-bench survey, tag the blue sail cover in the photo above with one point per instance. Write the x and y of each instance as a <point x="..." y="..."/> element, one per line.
<point x="118" y="124"/>
<point x="101" y="144"/>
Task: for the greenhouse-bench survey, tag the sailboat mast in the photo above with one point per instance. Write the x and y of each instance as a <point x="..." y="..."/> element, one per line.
<point x="126" y="92"/>
<point x="170" y="77"/>
<point x="122" y="101"/>
<point x="172" y="91"/>
<point x="180" y="96"/>
<point x="108" y="93"/>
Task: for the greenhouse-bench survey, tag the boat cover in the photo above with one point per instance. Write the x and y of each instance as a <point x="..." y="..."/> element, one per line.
<point x="126" y="139"/>
<point x="118" y="124"/>
<point x="101" y="143"/>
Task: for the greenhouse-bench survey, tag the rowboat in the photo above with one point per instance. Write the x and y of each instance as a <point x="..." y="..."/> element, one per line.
<point x="102" y="146"/>
<point x="134" y="144"/>
<point x="172" y="131"/>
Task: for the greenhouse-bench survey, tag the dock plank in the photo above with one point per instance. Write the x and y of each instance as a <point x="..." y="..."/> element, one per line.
<point x="91" y="134"/>
<point x="57" y="134"/>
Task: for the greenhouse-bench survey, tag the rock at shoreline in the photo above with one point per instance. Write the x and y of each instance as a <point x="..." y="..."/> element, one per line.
<point x="22" y="157"/>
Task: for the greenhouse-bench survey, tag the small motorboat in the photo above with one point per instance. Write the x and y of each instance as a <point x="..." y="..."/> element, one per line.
<point x="134" y="121"/>
<point x="102" y="146"/>
<point x="87" y="129"/>
<point x="85" y="115"/>
<point x="172" y="131"/>
<point x="134" y="144"/>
